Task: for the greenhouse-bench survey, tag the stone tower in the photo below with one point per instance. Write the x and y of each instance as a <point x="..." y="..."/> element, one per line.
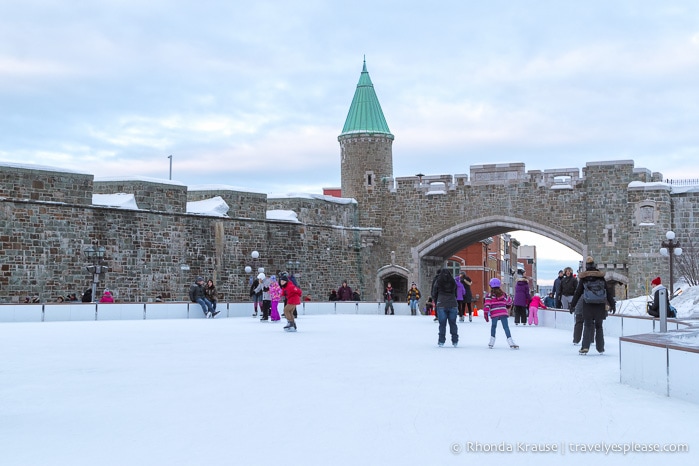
<point x="366" y="151"/>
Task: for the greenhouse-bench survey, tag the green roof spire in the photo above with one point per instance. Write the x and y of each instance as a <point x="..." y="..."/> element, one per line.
<point x="365" y="114"/>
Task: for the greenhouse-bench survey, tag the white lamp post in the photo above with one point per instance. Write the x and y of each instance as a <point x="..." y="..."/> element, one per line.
<point x="671" y="248"/>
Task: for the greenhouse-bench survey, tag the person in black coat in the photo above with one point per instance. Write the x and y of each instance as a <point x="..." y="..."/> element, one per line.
<point x="593" y="313"/>
<point x="444" y="292"/>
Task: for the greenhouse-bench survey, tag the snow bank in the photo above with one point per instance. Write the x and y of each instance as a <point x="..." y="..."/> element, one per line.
<point x="118" y="200"/>
<point x="215" y="207"/>
<point x="283" y="216"/>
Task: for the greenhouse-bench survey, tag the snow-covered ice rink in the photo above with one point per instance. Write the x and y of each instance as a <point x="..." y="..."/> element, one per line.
<point x="344" y="390"/>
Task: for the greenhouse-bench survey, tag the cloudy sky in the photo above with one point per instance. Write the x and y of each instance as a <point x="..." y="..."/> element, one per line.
<point x="254" y="94"/>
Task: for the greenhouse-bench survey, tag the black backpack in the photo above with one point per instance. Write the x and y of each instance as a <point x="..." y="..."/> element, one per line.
<point x="594" y="291"/>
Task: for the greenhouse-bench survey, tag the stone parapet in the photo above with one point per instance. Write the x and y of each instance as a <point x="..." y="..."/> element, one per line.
<point x="150" y="193"/>
<point x="47" y="184"/>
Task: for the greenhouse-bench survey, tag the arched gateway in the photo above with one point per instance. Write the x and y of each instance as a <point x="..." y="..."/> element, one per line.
<point x="613" y="211"/>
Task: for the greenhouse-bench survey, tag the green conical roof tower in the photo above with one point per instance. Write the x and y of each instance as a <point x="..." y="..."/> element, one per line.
<point x="365" y="114"/>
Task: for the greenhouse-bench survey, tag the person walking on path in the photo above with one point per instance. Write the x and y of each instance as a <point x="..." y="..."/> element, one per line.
<point x="596" y="293"/>
<point x="413" y="299"/>
<point x="495" y="307"/>
<point x="197" y="295"/>
<point x="444" y="293"/>
<point x="292" y="294"/>
<point x="522" y="298"/>
<point x="534" y="305"/>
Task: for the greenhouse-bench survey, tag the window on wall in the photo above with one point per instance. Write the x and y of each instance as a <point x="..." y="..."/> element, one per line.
<point x="454" y="267"/>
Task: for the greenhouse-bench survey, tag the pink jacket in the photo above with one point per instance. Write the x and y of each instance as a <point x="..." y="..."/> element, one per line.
<point x="107" y="297"/>
<point x="536" y="303"/>
<point x="275" y="291"/>
<point x="497" y="307"/>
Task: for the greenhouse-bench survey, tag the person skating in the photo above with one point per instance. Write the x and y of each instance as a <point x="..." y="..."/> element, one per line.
<point x="460" y="293"/>
<point x="444" y="293"/>
<point x="468" y="295"/>
<point x="263" y="286"/>
<point x="596" y="293"/>
<point x="496" y="307"/>
<point x="522" y="298"/>
<point x="292" y="293"/>
<point x="413" y="299"/>
<point x="534" y="305"/>
<point x="388" y="295"/>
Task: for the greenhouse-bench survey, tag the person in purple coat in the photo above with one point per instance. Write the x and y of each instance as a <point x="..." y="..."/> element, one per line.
<point x="460" y="294"/>
<point x="522" y="298"/>
<point x="344" y="293"/>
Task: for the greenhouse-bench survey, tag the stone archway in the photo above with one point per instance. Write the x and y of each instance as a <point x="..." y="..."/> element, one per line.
<point x="397" y="275"/>
<point x="428" y="255"/>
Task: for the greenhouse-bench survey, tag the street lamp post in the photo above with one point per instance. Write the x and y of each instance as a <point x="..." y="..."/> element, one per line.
<point x="670" y="248"/>
<point x="248" y="269"/>
<point x="95" y="255"/>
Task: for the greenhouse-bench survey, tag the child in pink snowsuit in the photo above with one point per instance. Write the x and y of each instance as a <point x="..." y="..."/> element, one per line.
<point x="275" y="294"/>
<point x="534" y="306"/>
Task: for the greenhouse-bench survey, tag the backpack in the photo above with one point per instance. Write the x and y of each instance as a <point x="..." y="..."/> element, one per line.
<point x="594" y="291"/>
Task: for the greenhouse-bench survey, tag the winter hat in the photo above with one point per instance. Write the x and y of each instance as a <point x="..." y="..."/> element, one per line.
<point x="283" y="277"/>
<point x="200" y="279"/>
<point x="656" y="281"/>
<point x="560" y="271"/>
<point x="495" y="283"/>
<point x="520" y="272"/>
<point x="590" y="263"/>
<point x="260" y="276"/>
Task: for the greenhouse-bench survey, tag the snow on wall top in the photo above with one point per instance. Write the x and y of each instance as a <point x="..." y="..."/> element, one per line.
<point x="215" y="207"/>
<point x="138" y="178"/>
<point x="118" y="200"/>
<point x="47" y="168"/>
<point x="283" y="216"/>
<point x="321" y="197"/>
<point x="221" y="187"/>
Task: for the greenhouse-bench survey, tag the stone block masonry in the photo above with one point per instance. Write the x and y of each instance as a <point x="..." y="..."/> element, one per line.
<point x="160" y="249"/>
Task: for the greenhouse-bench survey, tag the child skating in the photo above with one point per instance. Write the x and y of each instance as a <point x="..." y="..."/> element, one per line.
<point x="534" y="307"/>
<point x="496" y="307"/>
<point x="292" y="293"/>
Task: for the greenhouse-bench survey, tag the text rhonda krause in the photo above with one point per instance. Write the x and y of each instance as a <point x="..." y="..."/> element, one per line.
<point x="563" y="447"/>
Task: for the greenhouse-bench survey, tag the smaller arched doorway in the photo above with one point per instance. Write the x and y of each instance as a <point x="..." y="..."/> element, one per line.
<point x="398" y="277"/>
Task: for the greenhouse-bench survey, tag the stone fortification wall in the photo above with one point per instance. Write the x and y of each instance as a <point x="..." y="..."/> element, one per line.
<point x="159" y="252"/>
<point x="242" y="204"/>
<point x="45" y="184"/>
<point x="158" y="195"/>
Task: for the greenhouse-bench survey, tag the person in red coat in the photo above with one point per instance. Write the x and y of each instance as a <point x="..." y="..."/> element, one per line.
<point x="292" y="295"/>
